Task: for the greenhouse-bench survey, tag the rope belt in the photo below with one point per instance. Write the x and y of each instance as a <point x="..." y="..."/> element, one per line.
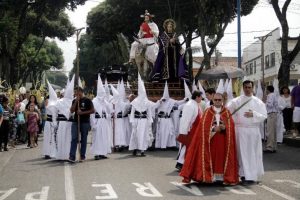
<point x="49" y="118"/>
<point x="140" y="114"/>
<point x="163" y="115"/>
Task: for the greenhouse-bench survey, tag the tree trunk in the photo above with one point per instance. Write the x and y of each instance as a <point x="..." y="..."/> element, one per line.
<point x="188" y="40"/>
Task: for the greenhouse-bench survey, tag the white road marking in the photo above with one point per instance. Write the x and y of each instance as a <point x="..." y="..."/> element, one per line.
<point x="141" y="189"/>
<point x="189" y="188"/>
<point x="111" y="194"/>
<point x="7" y="193"/>
<point x="296" y="184"/>
<point x="285" y="196"/>
<point x="69" y="187"/>
<point x="43" y="195"/>
<point x="240" y="190"/>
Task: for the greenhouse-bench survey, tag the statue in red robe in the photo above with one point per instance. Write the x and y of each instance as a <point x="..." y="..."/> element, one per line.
<point x="212" y="153"/>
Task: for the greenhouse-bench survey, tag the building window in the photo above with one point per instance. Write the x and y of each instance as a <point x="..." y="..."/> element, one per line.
<point x="254" y="67"/>
<point x="267" y="62"/>
<point x="251" y="68"/>
<point x="272" y="59"/>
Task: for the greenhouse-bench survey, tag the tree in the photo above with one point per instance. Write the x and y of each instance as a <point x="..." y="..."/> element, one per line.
<point x="286" y="55"/>
<point x="42" y="18"/>
<point x="57" y="78"/>
<point x="211" y="27"/>
<point x="38" y="56"/>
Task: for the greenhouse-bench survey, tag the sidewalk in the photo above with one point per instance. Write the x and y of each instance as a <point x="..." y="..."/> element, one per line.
<point x="291" y="140"/>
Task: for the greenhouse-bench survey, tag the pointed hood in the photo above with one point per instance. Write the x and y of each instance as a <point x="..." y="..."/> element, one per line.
<point x="226" y="85"/>
<point x="69" y="91"/>
<point x="141" y="88"/>
<point x="242" y="90"/>
<point x="80" y="83"/>
<point x="116" y="94"/>
<point x="122" y="90"/>
<point x="259" y="92"/>
<point x="187" y="92"/>
<point x="229" y="91"/>
<point x="100" y="88"/>
<point x="220" y="88"/>
<point x="106" y="88"/>
<point x="52" y="94"/>
<point x="194" y="87"/>
<point x="202" y="90"/>
<point x="127" y="85"/>
<point x="166" y="92"/>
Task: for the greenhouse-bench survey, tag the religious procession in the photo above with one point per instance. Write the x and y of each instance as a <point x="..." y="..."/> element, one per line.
<point x="220" y="121"/>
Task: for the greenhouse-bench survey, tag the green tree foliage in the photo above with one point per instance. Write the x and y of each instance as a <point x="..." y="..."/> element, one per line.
<point x="38" y="56"/>
<point x="286" y="55"/>
<point x="57" y="78"/>
<point x="20" y="18"/>
<point x="205" y="18"/>
<point x="213" y="18"/>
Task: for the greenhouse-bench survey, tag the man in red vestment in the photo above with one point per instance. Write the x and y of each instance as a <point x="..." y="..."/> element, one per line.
<point x="212" y="153"/>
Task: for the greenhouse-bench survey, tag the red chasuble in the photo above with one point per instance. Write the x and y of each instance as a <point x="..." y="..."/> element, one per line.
<point x="212" y="155"/>
<point x="146" y="29"/>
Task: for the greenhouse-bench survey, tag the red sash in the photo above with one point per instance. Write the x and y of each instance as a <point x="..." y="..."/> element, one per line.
<point x="146" y="29"/>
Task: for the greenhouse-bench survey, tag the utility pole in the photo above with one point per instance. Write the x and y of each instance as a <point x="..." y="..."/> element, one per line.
<point x="239" y="33"/>
<point x="263" y="39"/>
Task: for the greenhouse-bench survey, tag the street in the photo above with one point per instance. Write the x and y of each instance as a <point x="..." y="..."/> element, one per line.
<point x="24" y="174"/>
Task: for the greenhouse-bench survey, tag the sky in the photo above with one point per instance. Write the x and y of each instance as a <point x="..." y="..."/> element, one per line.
<point x="259" y="22"/>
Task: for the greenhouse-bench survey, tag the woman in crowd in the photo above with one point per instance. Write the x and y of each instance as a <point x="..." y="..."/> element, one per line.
<point x="287" y="111"/>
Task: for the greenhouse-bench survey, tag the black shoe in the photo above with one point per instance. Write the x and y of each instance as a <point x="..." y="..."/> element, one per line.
<point x="71" y="160"/>
<point x="269" y="151"/>
<point x="134" y="152"/>
<point x="103" y="157"/>
<point x="178" y="166"/>
<point x="143" y="154"/>
<point x="5" y="149"/>
<point x="97" y="157"/>
<point x="47" y="157"/>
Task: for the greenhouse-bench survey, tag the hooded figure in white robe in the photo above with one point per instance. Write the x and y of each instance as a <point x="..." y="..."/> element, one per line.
<point x="141" y="121"/>
<point x="101" y="124"/>
<point x="49" y="141"/>
<point x="165" y="132"/>
<point x="127" y="125"/>
<point x="281" y="105"/>
<point x="64" y="122"/>
<point x="250" y="112"/>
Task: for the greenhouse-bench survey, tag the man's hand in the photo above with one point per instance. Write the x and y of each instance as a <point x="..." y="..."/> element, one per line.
<point x="172" y="40"/>
<point x="79" y="112"/>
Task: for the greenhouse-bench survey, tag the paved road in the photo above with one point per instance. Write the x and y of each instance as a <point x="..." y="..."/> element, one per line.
<point x="24" y="174"/>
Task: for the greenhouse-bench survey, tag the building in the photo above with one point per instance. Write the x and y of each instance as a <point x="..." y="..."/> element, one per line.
<point x="272" y="59"/>
<point x="214" y="61"/>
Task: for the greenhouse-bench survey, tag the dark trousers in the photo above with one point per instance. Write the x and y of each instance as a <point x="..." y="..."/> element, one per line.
<point x="4" y="132"/>
<point x="84" y="129"/>
<point x="287" y="118"/>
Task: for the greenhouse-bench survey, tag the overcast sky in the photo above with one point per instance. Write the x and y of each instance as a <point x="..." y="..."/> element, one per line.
<point x="261" y="21"/>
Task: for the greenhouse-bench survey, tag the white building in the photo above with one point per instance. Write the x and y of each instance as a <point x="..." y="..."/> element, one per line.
<point x="272" y="59"/>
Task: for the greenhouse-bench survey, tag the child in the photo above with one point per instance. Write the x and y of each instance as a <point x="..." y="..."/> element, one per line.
<point x="32" y="118"/>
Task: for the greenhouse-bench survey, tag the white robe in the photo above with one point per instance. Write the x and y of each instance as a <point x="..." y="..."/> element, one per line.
<point x="101" y="128"/>
<point x="189" y="115"/>
<point x="49" y="142"/>
<point x="64" y="135"/>
<point x="127" y="124"/>
<point x="248" y="137"/>
<point x="280" y="125"/>
<point x="119" y="125"/>
<point x="141" y="136"/>
<point x="165" y="132"/>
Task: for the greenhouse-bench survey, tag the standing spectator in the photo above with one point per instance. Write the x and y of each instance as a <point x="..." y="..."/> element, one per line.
<point x="32" y="118"/>
<point x="33" y="100"/>
<point x="272" y="110"/>
<point x="209" y="95"/>
<point x="5" y="126"/>
<point x="83" y="107"/>
<point x="1" y="120"/>
<point x="248" y="113"/>
<point x="287" y="111"/>
<point x="295" y="101"/>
